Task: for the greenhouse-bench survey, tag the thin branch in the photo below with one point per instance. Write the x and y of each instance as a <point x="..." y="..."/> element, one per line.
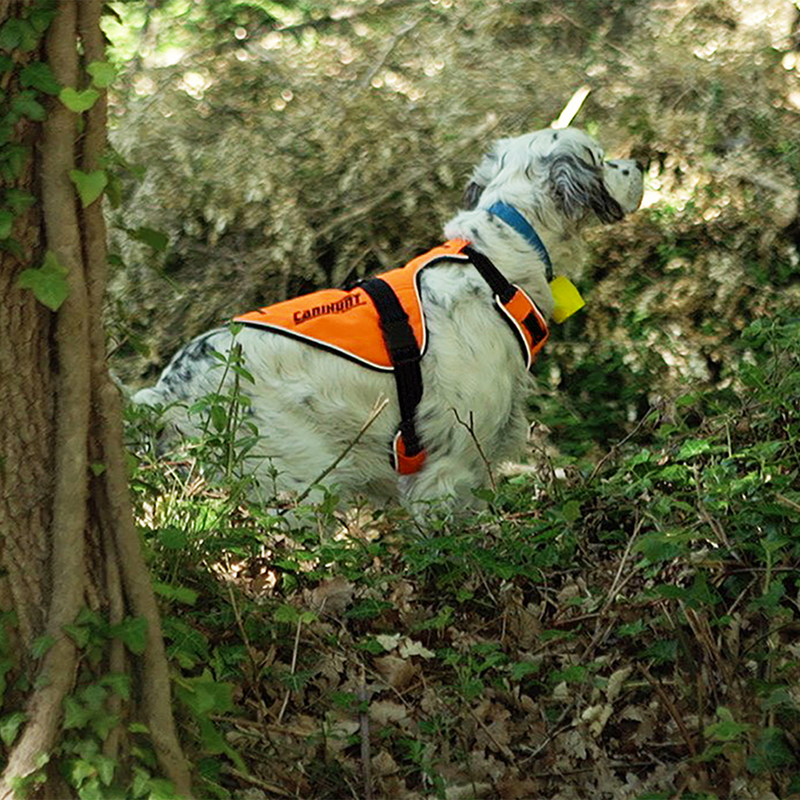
<point x="615" y="448"/>
<point x="265" y="786"/>
<point x="470" y="426"/>
<point x="571" y="109"/>
<point x="670" y="706"/>
<point x="292" y="668"/>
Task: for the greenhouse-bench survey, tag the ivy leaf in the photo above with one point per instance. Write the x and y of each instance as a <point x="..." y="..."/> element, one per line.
<point x="38" y="75"/>
<point x="41" y="645"/>
<point x="133" y="633"/>
<point x="28" y="36"/>
<point x="727" y="729"/>
<point x="119" y="683"/>
<point x="172" y="537"/>
<point x="41" y="16"/>
<point x="102" y="73"/>
<point x="90" y="186"/>
<point x="75" y="715"/>
<point x="78" y="633"/>
<point x="11" y="34"/>
<point x="78" y="101"/>
<point x="114" y="190"/>
<point x="203" y="695"/>
<point x="138" y="727"/>
<point x="571" y="510"/>
<point x="9" y="727"/>
<point x="285" y="613"/>
<point x="26" y="105"/>
<point x="6" y="224"/>
<point x="19" y="201"/>
<point x="180" y="594"/>
<point x="105" y="769"/>
<point x="13" y="158"/>
<point x="48" y="283"/>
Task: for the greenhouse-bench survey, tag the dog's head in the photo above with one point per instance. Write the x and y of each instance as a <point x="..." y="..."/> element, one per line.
<point x="560" y="176"/>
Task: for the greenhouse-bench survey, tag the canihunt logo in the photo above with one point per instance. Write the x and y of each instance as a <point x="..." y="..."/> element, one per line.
<point x="339" y="307"/>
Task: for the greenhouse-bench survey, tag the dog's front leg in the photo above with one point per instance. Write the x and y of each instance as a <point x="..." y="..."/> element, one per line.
<point x="446" y="484"/>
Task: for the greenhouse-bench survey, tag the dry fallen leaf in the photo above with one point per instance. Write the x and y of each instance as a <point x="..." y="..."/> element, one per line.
<point x="616" y="682"/>
<point x="384" y="764"/>
<point x="332" y="596"/>
<point x="409" y="648"/>
<point x="397" y="672"/>
<point x="385" y="712"/>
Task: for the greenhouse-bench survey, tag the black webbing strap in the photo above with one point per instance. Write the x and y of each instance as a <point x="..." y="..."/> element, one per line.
<point x="489" y="272"/>
<point x="514" y="304"/>
<point x="405" y="355"/>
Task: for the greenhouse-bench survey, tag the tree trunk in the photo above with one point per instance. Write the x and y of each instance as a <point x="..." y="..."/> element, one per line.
<point x="69" y="549"/>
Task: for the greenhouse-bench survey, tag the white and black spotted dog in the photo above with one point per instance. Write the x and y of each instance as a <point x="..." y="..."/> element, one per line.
<point x="309" y="404"/>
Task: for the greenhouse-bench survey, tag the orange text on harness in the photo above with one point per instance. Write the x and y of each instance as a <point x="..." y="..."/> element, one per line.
<point x="339" y="307"/>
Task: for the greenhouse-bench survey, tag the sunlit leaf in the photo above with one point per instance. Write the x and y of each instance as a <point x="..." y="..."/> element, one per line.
<point x="48" y="283"/>
<point x="78" y="101"/>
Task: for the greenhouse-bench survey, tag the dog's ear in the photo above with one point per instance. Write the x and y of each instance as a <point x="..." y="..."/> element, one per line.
<point x="578" y="187"/>
<point x="481" y="177"/>
<point x="472" y="194"/>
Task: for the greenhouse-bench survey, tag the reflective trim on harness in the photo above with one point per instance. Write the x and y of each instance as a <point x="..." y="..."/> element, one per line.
<point x="402" y="462"/>
<point x="380" y="325"/>
<point x="527" y="323"/>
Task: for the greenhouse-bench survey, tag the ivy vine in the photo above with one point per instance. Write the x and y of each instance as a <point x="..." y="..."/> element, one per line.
<point x="24" y="92"/>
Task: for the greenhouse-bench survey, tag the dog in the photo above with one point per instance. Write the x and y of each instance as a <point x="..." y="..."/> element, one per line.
<point x="526" y="204"/>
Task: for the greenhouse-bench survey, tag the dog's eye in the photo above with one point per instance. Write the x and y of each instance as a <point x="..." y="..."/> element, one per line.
<point x="591" y="155"/>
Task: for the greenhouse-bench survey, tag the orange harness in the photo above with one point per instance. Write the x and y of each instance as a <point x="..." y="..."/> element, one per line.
<point x="380" y="324"/>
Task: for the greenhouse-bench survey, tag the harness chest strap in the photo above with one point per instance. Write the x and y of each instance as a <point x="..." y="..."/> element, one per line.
<point x="408" y="454"/>
<point x="345" y="322"/>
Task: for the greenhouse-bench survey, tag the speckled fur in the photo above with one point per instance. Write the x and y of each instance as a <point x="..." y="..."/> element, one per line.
<point x="309" y="404"/>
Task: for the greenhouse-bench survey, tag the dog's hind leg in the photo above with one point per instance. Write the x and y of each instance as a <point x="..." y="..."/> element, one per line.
<point x="193" y="371"/>
<point x="448" y="484"/>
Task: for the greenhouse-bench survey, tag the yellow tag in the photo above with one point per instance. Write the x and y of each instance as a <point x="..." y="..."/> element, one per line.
<point x="567" y="298"/>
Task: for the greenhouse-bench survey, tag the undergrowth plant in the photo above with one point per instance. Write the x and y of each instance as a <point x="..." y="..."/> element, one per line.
<point x="654" y="589"/>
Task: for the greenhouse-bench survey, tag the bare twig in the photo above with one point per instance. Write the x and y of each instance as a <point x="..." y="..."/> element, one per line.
<point x="250" y="651"/>
<point x="293" y="668"/>
<point x="572" y="108"/>
<point x="670" y="706"/>
<point x="706" y="517"/>
<point x="470" y="426"/>
<point x="258" y="782"/>
<point x="614" y="448"/>
<point x="615" y="584"/>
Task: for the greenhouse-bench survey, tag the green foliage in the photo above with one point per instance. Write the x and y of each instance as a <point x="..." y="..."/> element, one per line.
<point x="78" y="100"/>
<point x="90" y="186"/>
<point x="48" y="282"/>
<point x="699" y="508"/>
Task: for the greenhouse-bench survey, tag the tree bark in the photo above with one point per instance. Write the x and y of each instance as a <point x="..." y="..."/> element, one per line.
<point x="67" y="538"/>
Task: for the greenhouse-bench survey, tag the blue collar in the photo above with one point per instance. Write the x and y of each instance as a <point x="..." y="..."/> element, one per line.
<point x="512" y="217"/>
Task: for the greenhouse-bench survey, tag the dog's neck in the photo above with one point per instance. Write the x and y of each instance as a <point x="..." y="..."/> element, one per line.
<point x="514" y="219"/>
<point x="516" y="254"/>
